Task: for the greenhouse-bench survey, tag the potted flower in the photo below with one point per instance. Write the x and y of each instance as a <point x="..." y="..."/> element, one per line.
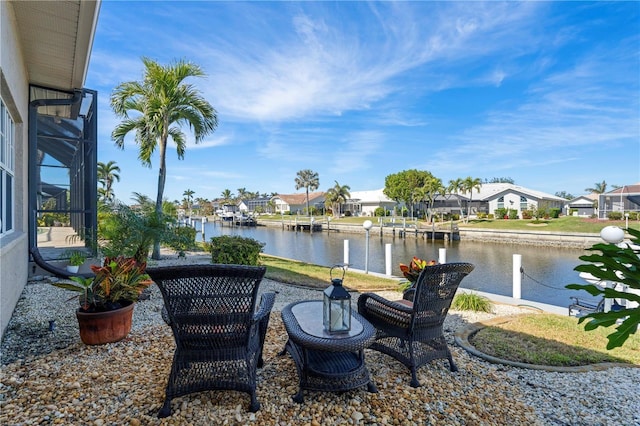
<point x="107" y="300"/>
<point x="412" y="271"/>
<point x="76" y="259"/>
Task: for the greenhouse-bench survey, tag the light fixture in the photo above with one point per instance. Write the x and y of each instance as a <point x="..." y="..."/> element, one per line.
<point x="612" y="234"/>
<point x="367" y="224"/>
<point x="336" y="312"/>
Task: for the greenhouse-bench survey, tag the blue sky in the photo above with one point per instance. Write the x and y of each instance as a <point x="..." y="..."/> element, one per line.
<point x="546" y="93"/>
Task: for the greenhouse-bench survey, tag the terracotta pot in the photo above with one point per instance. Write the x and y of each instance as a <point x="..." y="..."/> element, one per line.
<point x="105" y="327"/>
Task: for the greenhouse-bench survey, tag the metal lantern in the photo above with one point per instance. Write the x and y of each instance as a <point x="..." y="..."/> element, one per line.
<point x="336" y="312"/>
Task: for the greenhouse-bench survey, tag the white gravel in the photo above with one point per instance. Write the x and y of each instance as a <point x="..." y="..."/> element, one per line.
<point x="44" y="321"/>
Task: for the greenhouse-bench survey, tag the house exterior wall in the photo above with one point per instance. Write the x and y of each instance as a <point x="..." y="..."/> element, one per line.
<point x="369" y="208"/>
<point x="14" y="90"/>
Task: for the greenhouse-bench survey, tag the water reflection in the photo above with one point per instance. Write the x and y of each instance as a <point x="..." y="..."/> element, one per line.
<point x="547" y="270"/>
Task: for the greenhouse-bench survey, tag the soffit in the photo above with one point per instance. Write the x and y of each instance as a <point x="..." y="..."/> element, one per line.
<point x="56" y="39"/>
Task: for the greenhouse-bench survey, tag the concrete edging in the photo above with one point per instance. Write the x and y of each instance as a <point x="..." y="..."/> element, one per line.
<point x="462" y="340"/>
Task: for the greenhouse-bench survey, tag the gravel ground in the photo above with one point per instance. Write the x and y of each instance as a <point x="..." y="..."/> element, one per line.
<point x="49" y="377"/>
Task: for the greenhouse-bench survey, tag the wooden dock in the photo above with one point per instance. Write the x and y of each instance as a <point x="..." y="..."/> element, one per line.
<point x="303" y="227"/>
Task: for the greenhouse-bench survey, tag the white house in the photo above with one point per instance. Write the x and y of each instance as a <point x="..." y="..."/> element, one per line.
<point x="584" y="205"/>
<point x="44" y="56"/>
<point x="493" y="196"/>
<point x="365" y="203"/>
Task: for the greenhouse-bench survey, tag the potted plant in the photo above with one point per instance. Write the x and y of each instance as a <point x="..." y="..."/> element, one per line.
<point x="76" y="259"/>
<point x="412" y="271"/>
<point x="107" y="300"/>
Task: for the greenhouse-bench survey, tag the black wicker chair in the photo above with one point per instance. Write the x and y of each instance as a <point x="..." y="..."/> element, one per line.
<point x="410" y="330"/>
<point x="218" y="332"/>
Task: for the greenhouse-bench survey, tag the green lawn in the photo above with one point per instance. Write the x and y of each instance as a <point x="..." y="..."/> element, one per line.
<point x="561" y="224"/>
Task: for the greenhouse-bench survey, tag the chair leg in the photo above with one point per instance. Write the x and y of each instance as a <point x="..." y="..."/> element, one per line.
<point x="452" y="365"/>
<point x="255" y="405"/>
<point x="165" y="411"/>
<point x="414" y="378"/>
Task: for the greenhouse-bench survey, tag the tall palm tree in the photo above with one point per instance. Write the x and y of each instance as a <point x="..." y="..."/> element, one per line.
<point x="336" y="196"/>
<point x="155" y="109"/>
<point x="456" y="187"/>
<point x="309" y="180"/>
<point x="189" y="196"/>
<point x="107" y="174"/>
<point x="469" y="184"/>
<point x="599" y="188"/>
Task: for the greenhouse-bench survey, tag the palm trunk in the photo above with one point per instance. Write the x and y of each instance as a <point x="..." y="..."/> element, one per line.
<point x="162" y="176"/>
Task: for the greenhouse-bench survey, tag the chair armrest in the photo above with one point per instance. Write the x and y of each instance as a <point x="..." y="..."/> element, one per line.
<point x="362" y="303"/>
<point x="266" y="304"/>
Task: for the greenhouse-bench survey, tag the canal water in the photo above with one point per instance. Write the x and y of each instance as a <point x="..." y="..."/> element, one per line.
<point x="546" y="269"/>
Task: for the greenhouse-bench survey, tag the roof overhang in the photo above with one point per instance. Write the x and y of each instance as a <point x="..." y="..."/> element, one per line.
<point x="56" y="39"/>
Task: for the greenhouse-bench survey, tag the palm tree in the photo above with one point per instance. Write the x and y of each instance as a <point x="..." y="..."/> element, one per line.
<point x="144" y="202"/>
<point x="336" y="196"/>
<point x="243" y="194"/>
<point x="429" y="191"/>
<point x="156" y="108"/>
<point x="189" y="196"/>
<point x="107" y="174"/>
<point x="599" y="188"/>
<point x="468" y="185"/>
<point x="309" y="180"/>
<point x="456" y="186"/>
<point x="227" y="196"/>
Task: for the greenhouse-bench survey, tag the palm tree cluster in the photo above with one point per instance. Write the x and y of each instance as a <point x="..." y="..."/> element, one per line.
<point x="335" y="196"/>
<point x="107" y="174"/>
<point x="463" y="186"/>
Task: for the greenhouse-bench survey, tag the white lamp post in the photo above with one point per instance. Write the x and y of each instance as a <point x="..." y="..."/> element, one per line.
<point x="626" y="220"/>
<point x="611" y="235"/>
<point x="367" y="224"/>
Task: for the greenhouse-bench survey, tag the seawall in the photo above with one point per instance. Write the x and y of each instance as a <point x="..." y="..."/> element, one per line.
<point x="573" y="240"/>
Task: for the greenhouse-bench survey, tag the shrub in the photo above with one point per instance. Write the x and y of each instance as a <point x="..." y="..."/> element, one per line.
<point x="513" y="214"/>
<point x="379" y="212"/>
<point x="480" y="215"/>
<point x="500" y="212"/>
<point x="633" y="215"/>
<point x="527" y="214"/>
<point x="554" y="212"/>
<point x="347" y="213"/>
<point x="490" y="216"/>
<point x="125" y="232"/>
<point x="614" y="215"/>
<point x="471" y="302"/>
<point x="182" y="238"/>
<point x="234" y="249"/>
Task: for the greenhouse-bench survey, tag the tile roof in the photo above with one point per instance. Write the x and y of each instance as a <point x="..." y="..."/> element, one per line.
<point x="296" y="199"/>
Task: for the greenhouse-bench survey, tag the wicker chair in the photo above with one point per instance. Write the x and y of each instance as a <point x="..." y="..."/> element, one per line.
<point x="218" y="332"/>
<point x="410" y="330"/>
